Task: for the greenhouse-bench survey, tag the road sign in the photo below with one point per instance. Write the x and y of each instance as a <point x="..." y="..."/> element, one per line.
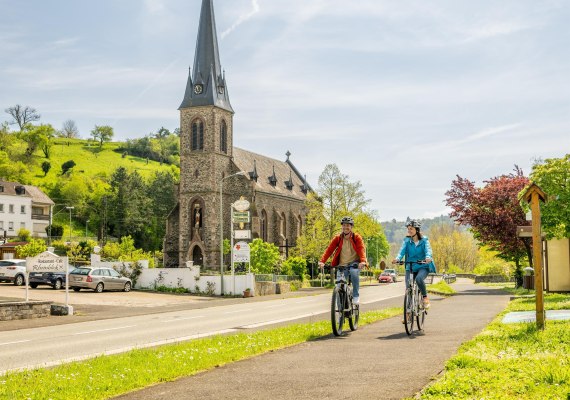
<point x="46" y="262"/>
<point x="241" y="204"/>
<point x="241" y="252"/>
<point x="242" y="217"/>
<point x="242" y="234"/>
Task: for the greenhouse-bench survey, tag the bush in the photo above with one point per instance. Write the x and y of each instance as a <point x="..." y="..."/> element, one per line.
<point x="264" y="257"/>
<point x="493" y="268"/>
<point x="294" y="266"/>
<point x="24" y="235"/>
<point x="56" y="230"/>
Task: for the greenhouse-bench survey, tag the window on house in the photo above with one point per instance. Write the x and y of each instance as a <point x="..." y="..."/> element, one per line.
<point x="10" y="226"/>
<point x="11" y="208"/>
<point x="1" y="207"/>
<point x="37" y="211"/>
<point x="1" y="225"/>
<point x="22" y="225"/>
<point x="197" y="135"/>
<point x="22" y="209"/>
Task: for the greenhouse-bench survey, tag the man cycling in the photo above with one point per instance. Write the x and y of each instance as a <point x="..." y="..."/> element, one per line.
<point x="416" y="247"/>
<point x="348" y="248"/>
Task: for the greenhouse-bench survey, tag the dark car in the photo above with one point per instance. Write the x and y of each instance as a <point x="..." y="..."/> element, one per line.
<point x="54" y="279"/>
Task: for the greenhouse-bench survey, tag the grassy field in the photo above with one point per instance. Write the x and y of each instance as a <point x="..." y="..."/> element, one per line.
<point x="441" y="288"/>
<point x="511" y="361"/>
<point x="89" y="160"/>
<point x="108" y="376"/>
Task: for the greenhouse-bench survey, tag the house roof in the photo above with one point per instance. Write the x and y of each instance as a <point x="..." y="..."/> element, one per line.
<point x="9" y="189"/>
<point x="287" y="180"/>
<point x="37" y="195"/>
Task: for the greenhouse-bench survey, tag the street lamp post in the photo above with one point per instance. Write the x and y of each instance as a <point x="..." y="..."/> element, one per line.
<point x="222" y="229"/>
<point x="69" y="208"/>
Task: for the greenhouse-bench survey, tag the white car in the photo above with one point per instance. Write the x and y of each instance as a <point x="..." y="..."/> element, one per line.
<point x="13" y="271"/>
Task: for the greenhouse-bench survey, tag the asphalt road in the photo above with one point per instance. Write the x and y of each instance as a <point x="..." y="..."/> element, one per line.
<point x="378" y="361"/>
<point x="52" y="345"/>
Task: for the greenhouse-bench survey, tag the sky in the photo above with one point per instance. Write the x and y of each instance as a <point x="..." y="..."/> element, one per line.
<point x="401" y="96"/>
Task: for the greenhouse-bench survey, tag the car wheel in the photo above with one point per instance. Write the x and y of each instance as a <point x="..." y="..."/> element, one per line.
<point x="33" y="285"/>
<point x="76" y="289"/>
<point x="99" y="288"/>
<point x="19" y="280"/>
<point x="58" y="284"/>
<point x="127" y="287"/>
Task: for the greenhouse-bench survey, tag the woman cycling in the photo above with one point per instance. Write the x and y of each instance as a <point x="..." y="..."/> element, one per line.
<point x="416" y="247"/>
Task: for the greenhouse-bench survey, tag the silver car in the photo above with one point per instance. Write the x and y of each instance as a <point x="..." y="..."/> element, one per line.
<point x="98" y="279"/>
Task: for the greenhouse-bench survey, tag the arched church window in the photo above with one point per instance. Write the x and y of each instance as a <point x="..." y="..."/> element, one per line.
<point x="224" y="138"/>
<point x="263" y="226"/>
<point x="299" y="226"/>
<point x="197" y="135"/>
<point x="282" y="225"/>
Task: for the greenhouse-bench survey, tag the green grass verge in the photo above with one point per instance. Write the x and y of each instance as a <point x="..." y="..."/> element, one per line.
<point x="511" y="361"/>
<point x="106" y="376"/>
<point x="441" y="288"/>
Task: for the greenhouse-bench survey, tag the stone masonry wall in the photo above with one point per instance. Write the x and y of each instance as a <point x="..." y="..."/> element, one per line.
<point x="21" y="310"/>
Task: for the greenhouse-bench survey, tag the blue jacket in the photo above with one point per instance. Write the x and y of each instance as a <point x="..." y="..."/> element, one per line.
<point x="411" y="252"/>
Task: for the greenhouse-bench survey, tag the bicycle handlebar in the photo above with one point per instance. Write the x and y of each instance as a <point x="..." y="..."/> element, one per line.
<point x="410" y="262"/>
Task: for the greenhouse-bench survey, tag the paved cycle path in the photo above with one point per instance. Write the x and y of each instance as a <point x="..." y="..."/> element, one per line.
<point x="379" y="361"/>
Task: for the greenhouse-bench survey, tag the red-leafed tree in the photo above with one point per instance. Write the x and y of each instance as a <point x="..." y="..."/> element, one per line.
<point x="493" y="213"/>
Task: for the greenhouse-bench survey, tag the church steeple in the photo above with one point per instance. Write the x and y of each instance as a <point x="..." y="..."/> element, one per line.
<point x="206" y="82"/>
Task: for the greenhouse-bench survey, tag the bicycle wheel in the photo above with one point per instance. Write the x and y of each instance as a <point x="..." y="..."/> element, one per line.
<point x="337" y="311"/>
<point x="354" y="316"/>
<point x="409" y="312"/>
<point x="420" y="311"/>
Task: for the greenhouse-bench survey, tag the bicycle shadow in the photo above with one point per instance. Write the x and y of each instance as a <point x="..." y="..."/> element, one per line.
<point x="401" y="335"/>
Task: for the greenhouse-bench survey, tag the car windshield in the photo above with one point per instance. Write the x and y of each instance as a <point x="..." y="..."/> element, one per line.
<point x="81" y="271"/>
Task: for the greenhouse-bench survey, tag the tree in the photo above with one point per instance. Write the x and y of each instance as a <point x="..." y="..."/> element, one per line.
<point x="46" y="166"/>
<point x="66" y="166"/>
<point x="264" y="257"/>
<point x="553" y="176"/>
<point x="54" y="230"/>
<point x="453" y="247"/>
<point x="102" y="133"/>
<point x="23" y="115"/>
<point x="32" y="248"/>
<point x="493" y="214"/>
<point x="37" y="137"/>
<point x="24" y="235"/>
<point x="69" y="129"/>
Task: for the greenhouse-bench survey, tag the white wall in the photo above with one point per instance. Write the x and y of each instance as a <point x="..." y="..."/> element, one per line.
<point x="16" y="217"/>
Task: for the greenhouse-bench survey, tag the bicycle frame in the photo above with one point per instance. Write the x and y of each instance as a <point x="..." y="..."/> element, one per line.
<point x="413" y="303"/>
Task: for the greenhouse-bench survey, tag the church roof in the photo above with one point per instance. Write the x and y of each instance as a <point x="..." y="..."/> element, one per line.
<point x="206" y="84"/>
<point x="273" y="176"/>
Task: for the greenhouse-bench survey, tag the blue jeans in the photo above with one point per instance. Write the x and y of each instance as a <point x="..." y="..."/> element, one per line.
<point x="420" y="276"/>
<point x="354" y="277"/>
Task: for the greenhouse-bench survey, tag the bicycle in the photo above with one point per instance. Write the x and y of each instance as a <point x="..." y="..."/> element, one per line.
<point x="413" y="302"/>
<point x="341" y="303"/>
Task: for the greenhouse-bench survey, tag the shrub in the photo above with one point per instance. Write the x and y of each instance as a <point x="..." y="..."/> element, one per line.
<point x="24" y="235"/>
<point x="264" y="256"/>
<point x="294" y="266"/>
<point x="56" y="230"/>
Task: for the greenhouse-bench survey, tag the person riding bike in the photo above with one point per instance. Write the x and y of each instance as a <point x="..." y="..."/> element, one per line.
<point x="348" y="248"/>
<point x="417" y="250"/>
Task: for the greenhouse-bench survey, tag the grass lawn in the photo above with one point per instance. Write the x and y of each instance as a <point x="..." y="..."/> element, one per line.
<point x="107" y="376"/>
<point x="511" y="361"/>
<point x="441" y="288"/>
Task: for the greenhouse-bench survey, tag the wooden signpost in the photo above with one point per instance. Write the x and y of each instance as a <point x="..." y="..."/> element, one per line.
<point x="534" y="195"/>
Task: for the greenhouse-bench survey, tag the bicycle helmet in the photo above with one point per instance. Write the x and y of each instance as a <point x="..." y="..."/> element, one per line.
<point x="414" y="223"/>
<point x="347" y="220"/>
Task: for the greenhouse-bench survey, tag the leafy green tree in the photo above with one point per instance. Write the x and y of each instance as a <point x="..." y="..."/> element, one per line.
<point x="32" y="248"/>
<point x="46" y="166"/>
<point x="24" y="235"/>
<point x="264" y="256"/>
<point x="453" y="246"/>
<point x="54" y="230"/>
<point x="12" y="170"/>
<point x="37" y="137"/>
<point x="553" y="176"/>
<point x="67" y="166"/>
<point x="294" y="266"/>
<point x="103" y="133"/>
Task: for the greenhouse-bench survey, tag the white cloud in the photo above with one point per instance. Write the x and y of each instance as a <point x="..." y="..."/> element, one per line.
<point x="242" y="18"/>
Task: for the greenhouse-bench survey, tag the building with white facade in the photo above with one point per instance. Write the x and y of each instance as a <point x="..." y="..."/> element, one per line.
<point x="23" y="206"/>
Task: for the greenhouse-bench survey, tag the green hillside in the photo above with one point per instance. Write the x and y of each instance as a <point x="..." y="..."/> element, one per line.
<point x="91" y="161"/>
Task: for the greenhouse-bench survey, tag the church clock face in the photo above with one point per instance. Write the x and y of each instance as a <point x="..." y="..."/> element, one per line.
<point x="198" y="89"/>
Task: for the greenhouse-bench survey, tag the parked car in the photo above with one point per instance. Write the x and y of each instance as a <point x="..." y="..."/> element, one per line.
<point x="392" y="273"/>
<point x="13" y="271"/>
<point x="54" y="279"/>
<point x="98" y="279"/>
<point x="385" y="277"/>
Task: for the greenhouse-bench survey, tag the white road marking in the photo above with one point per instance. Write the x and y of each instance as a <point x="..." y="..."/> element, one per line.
<point x="16" y="342"/>
<point x="104" y="330"/>
<point x="238" y="311"/>
<point x="185" y="318"/>
<point x="276" y="321"/>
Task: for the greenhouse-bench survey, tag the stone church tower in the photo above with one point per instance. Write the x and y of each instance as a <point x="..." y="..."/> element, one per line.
<point x="207" y="157"/>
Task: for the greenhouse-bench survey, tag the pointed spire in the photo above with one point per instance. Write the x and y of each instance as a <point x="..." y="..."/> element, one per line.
<point x="253" y="174"/>
<point x="205" y="90"/>
<point x="272" y="179"/>
<point x="289" y="183"/>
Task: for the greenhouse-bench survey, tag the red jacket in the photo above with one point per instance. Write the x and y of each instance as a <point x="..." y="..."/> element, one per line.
<point x="336" y="246"/>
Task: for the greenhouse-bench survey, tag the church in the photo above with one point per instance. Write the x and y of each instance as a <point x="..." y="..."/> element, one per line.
<point x="210" y="167"/>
